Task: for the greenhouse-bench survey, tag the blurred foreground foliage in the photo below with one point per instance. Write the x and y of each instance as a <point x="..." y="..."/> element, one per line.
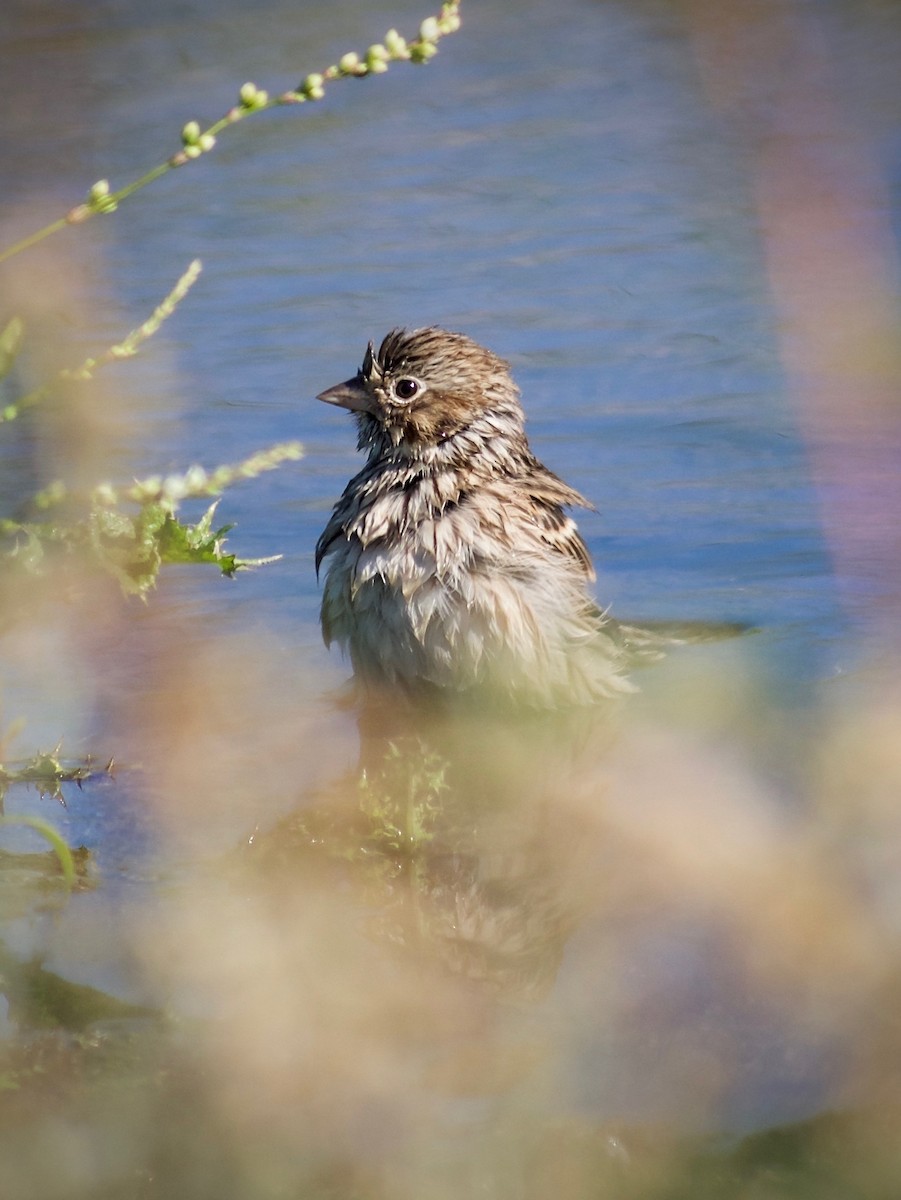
<point x="132" y="531"/>
<point x="57" y="539"/>
<point x="101" y="1097"/>
<point x="131" y="1070"/>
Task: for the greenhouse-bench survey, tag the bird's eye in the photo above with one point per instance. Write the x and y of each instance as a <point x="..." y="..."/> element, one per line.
<point x="406" y="389"/>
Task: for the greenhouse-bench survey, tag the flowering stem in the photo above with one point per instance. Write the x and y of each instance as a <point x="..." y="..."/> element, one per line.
<point x="251" y="99"/>
<point x="125" y="349"/>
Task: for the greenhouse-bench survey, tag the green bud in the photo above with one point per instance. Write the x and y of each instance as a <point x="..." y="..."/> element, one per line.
<point x="105" y="493"/>
<point x="173" y="488"/>
<point x="348" y="63"/>
<point x="252" y="97"/>
<point x="206" y="141"/>
<point x="195" y="479"/>
<point x="377" y="59"/>
<point x="449" y="22"/>
<point x="190" y="133"/>
<point x="99" y="199"/>
<point x="312" y="87"/>
<point x="147" y="489"/>
<point x="428" y="30"/>
<point x="421" y="52"/>
<point x="192" y="152"/>
<point x="395" y="44"/>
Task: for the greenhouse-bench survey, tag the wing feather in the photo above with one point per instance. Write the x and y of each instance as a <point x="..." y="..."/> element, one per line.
<point x="550" y="496"/>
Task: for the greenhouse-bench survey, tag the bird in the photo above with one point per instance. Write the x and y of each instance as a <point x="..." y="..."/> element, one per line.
<point x="455" y="569"/>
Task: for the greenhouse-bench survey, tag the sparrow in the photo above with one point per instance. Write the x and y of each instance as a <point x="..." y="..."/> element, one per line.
<point x="454" y="566"/>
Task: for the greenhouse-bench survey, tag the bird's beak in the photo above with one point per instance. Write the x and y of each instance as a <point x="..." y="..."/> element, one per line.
<point x="352" y="394"/>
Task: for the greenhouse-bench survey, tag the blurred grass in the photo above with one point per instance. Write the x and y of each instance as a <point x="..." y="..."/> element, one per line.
<point x="389" y="991"/>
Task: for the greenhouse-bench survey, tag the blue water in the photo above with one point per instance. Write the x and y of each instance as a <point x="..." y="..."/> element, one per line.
<point x="554" y="185"/>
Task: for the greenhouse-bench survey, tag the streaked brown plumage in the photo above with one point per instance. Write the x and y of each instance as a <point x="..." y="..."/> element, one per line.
<point x="453" y="563"/>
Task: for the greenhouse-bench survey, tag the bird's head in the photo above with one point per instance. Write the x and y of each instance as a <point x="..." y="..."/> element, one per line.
<point x="424" y="385"/>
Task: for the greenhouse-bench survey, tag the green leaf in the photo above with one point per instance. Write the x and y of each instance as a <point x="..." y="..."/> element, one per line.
<point x="46" y="830"/>
<point x="10" y="344"/>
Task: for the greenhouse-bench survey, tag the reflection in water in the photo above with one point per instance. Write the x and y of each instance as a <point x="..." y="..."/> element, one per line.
<point x="463" y="844"/>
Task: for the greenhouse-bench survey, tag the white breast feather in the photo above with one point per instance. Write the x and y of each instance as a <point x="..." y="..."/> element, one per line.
<point x="453" y="603"/>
